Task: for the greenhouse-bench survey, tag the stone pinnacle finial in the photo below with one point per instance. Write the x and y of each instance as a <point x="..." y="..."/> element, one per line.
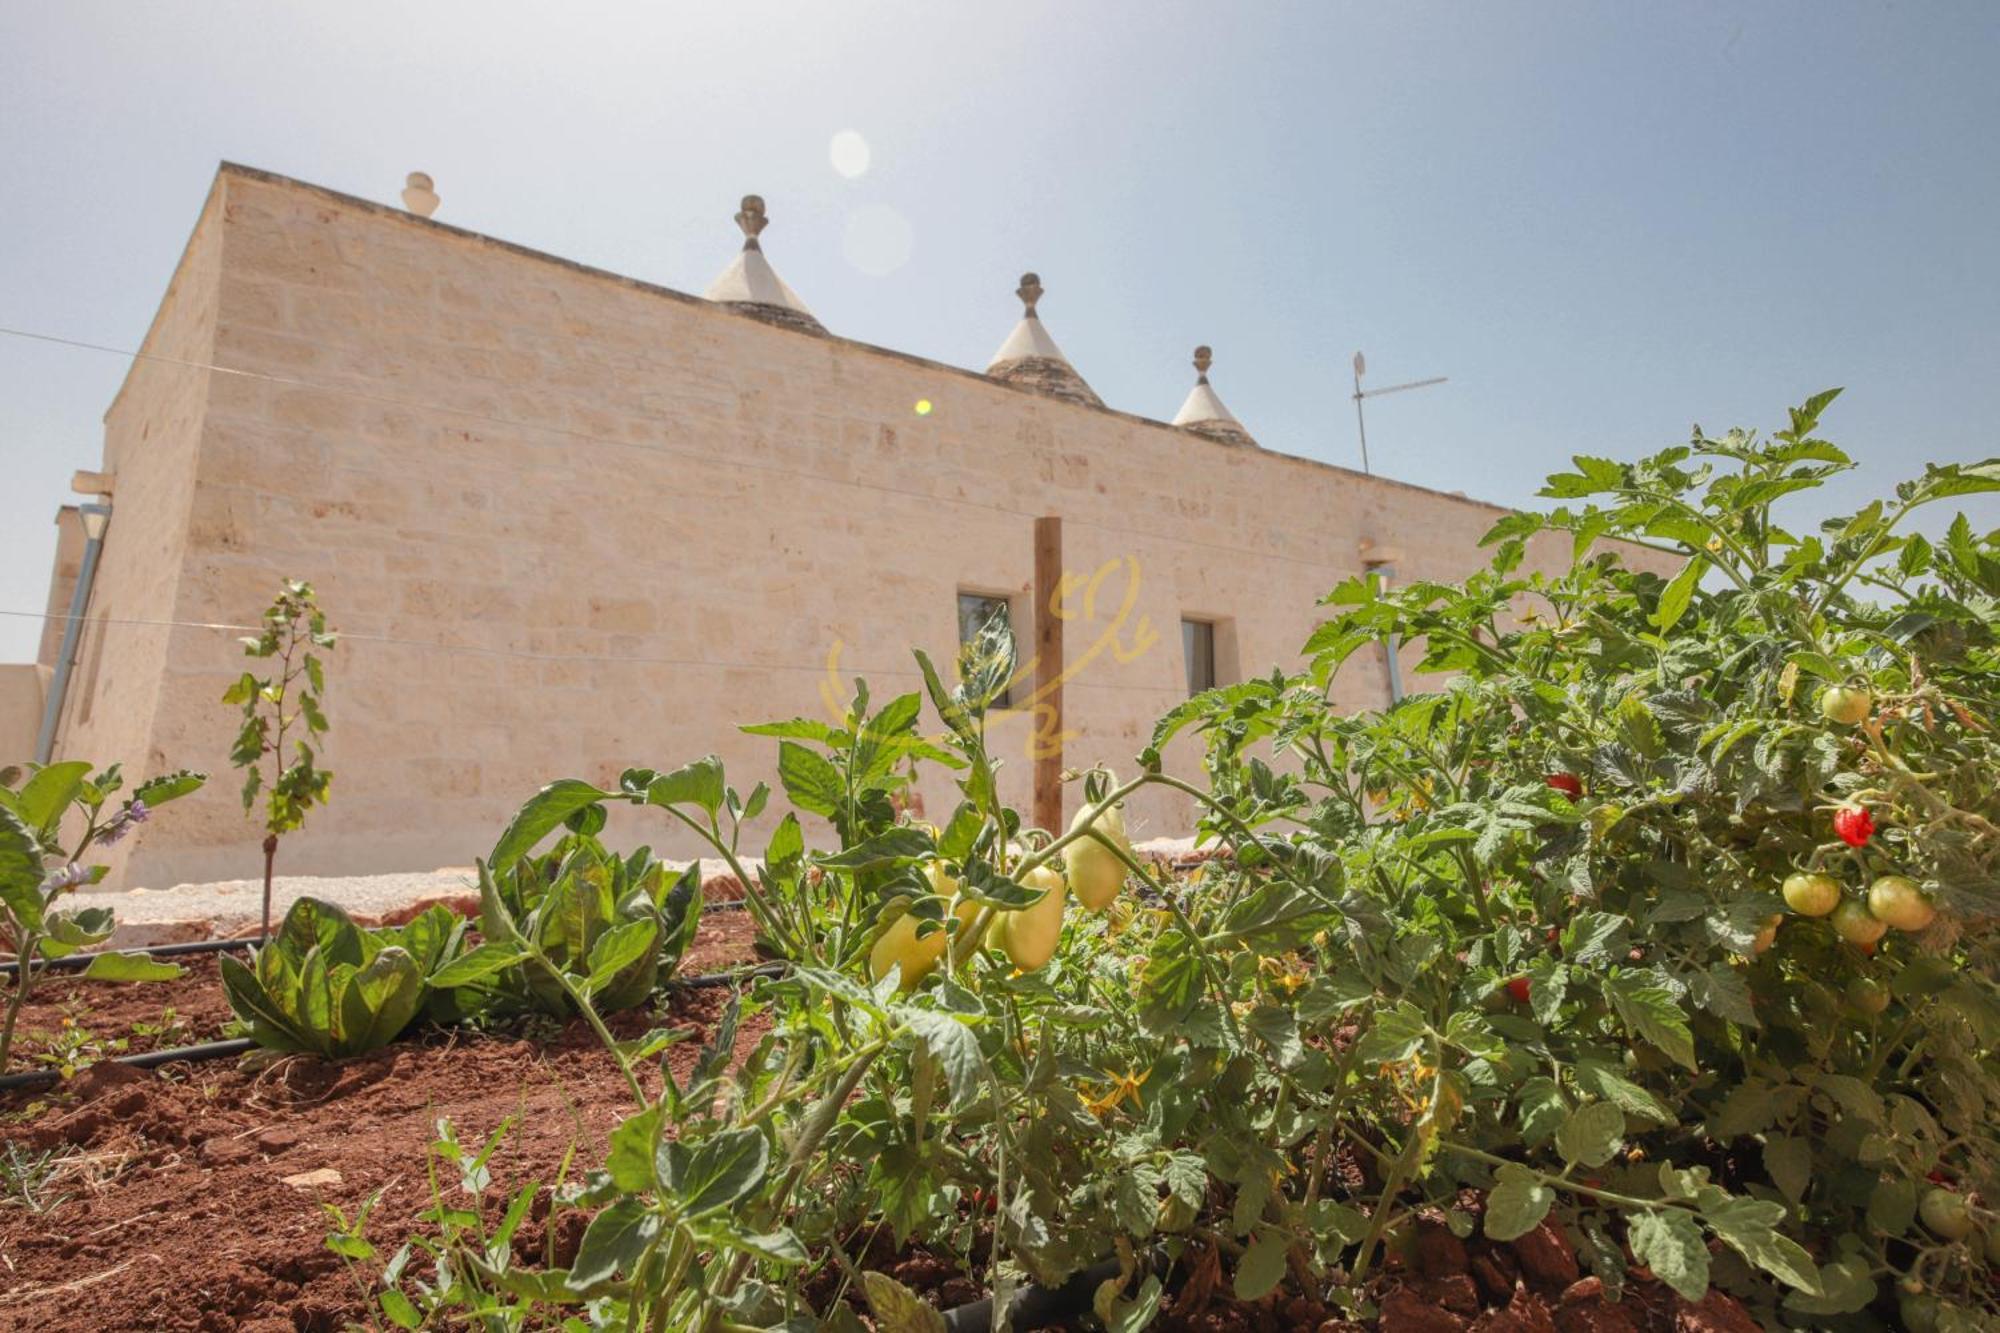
<point x="420" y="194"/>
<point x="1030" y="291"/>
<point x="751" y="218"/>
<point x="1203" y="359"/>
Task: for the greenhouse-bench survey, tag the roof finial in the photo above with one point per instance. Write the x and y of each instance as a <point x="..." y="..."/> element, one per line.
<point x="1203" y="359"/>
<point x="751" y="218"/>
<point x="1030" y="291"/>
<point x="420" y="194"/>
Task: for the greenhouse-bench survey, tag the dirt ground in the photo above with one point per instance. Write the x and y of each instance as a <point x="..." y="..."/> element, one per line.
<point x="171" y="1209"/>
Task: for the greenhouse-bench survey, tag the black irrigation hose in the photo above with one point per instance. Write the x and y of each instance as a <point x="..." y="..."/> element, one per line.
<point x="221" y="1050"/>
<point x="1036" y="1306"/>
<point x="74" y="961"/>
<point x="208" y="1050"/>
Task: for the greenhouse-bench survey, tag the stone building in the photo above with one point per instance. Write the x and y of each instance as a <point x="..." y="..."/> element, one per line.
<point x="572" y="522"/>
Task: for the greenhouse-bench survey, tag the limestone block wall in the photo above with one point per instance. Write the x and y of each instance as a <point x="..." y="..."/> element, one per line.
<point x="152" y="441"/>
<point x="573" y="522"/>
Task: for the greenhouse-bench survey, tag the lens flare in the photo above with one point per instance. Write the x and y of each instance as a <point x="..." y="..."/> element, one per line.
<point x="923" y="407"/>
<point x="849" y="153"/>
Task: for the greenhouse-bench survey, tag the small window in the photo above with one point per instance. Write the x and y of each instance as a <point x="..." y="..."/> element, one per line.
<point x="1198" y="646"/>
<point x="976" y="610"/>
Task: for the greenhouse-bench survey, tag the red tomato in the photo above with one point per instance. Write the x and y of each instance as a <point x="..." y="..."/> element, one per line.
<point x="1569" y="784"/>
<point x="1854" y="825"/>
<point x="1519" y="988"/>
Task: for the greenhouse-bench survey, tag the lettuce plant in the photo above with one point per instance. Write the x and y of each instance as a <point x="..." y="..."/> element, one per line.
<point x="325" y="986"/>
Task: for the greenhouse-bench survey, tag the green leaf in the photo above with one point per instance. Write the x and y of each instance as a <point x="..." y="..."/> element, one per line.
<point x="44" y="797"/>
<point x="717" y="1172"/>
<point x="20" y="862"/>
<point x="1262" y="1266"/>
<point x="379" y="1001"/>
<point x="896" y="846"/>
<point x="1669" y="1242"/>
<point x="619" y="948"/>
<point x="1128" y="1316"/>
<point x="629" y="1161"/>
<point x="1788" y="1161"/>
<point x="1591" y="1135"/>
<point x="953" y="1043"/>
<point x="471" y="968"/>
<point x="1844" y="1287"/>
<point x="896" y="1308"/>
<point x="813" y="784"/>
<point x="157" y="791"/>
<point x="1650" y="1011"/>
<point x="1542" y="1109"/>
<point x="616" y="1238"/>
<point x="1518" y="1203"/>
<point x="545" y="810"/>
<point x="1674" y="600"/>
<point x="787" y="845"/>
<point x="699" y="783"/>
<point x="129" y="967"/>
<point x="1750" y="1227"/>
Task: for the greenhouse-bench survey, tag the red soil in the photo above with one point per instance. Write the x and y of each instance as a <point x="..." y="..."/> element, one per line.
<point x="172" y="1211"/>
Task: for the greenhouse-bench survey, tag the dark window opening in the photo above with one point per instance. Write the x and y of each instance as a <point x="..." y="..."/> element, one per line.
<point x="1198" y="647"/>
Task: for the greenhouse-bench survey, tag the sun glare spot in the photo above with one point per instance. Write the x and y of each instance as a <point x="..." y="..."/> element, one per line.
<point x="923" y="407"/>
<point x="849" y="154"/>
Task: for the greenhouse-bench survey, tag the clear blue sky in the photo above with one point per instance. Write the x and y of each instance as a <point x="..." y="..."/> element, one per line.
<point x="1603" y="222"/>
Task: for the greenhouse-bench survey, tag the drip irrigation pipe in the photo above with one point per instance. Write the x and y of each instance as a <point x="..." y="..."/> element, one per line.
<point x="208" y="1050"/>
<point x="74" y="961"/>
<point x="222" y="1050"/>
<point x="1036" y="1306"/>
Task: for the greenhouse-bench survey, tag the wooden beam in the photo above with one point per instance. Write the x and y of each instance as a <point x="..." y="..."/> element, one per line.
<point x="1048" y="721"/>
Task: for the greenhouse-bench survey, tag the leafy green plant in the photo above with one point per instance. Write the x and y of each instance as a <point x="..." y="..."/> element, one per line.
<point x="1562" y="948"/>
<point x="283" y="705"/>
<point x="325" y="986"/>
<point x="1514" y="935"/>
<point x="576" y="921"/>
<point x="37" y="869"/>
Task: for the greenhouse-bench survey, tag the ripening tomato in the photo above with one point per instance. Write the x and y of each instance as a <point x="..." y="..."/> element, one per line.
<point x="1854" y="825"/>
<point x="1096" y="873"/>
<point x="901" y="946"/>
<point x="1028" y="936"/>
<point x="1857" y="925"/>
<point x="1520" y="988"/>
<point x="1812" y="895"/>
<point x="1845" y="705"/>
<point x="1897" y="900"/>
<point x="1569" y="784"/>
<point x="1767" y="936"/>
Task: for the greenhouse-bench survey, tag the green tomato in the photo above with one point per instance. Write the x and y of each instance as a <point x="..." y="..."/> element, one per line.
<point x="1897" y="900"/>
<point x="1845" y="705"/>
<point x="1920" y="1313"/>
<point x="1855" y="924"/>
<point x="1945" y="1213"/>
<point x="1867" y="995"/>
<point x="1812" y="895"/>
<point x="1767" y="936"/>
<point x="1028" y="936"/>
<point x="1096" y="873"/>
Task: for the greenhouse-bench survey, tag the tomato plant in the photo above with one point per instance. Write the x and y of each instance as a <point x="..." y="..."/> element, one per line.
<point x="1582" y="927"/>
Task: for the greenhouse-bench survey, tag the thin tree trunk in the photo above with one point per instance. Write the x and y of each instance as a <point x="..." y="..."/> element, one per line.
<point x="270" y="855"/>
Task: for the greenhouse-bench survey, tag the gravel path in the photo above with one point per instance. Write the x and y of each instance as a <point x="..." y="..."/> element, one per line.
<point x="202" y="911"/>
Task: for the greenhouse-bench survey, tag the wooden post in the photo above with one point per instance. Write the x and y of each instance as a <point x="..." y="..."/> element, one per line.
<point x="1048" y="724"/>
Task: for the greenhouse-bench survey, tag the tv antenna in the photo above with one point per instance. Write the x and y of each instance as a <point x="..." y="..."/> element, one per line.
<point x="1361" y="422"/>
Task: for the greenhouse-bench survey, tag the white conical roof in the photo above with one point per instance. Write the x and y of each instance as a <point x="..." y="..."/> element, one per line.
<point x="1203" y="411"/>
<point x="751" y="285"/>
<point x="1031" y="359"/>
